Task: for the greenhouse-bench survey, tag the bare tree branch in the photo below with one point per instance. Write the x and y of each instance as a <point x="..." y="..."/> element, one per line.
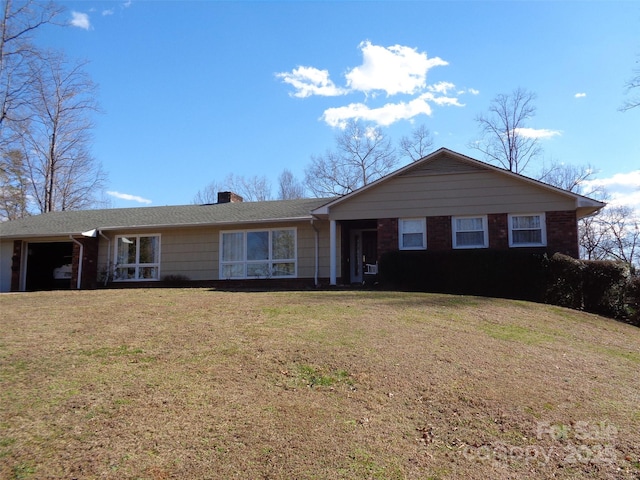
<point x="55" y="140"/>
<point x="502" y="140"/>
<point x="418" y="145"/>
<point x="289" y="187"/>
<point x="363" y="155"/>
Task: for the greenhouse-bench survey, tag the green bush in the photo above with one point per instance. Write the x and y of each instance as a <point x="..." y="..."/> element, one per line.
<point x="565" y="281"/>
<point x="605" y="287"/>
<point x="633" y="300"/>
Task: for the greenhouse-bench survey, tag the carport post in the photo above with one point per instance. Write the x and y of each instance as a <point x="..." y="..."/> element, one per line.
<point x="332" y="252"/>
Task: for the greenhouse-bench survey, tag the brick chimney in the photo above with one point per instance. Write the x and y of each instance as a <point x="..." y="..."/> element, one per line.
<point x="228" y="197"/>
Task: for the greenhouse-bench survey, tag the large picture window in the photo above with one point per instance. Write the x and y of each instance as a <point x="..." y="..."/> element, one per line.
<point x="258" y="254"/>
<point x="527" y="230"/>
<point x="137" y="258"/>
<point x="470" y="232"/>
<point x="412" y="233"/>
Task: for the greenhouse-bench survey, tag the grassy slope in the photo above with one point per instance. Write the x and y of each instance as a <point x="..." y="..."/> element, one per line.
<point x="188" y="383"/>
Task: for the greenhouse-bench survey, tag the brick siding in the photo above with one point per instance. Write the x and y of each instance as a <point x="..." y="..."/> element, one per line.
<point x="498" y="231"/>
<point x="439" y="233"/>
<point x="562" y="233"/>
<point x="387" y="235"/>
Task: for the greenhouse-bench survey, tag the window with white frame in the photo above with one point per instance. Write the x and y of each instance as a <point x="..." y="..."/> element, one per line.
<point x="137" y="258"/>
<point x="258" y="254"/>
<point x="412" y="234"/>
<point x="470" y="232"/>
<point x="527" y="230"/>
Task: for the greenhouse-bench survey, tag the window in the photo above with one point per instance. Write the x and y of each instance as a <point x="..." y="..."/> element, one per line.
<point x="527" y="230"/>
<point x="258" y="254"/>
<point x="412" y="233"/>
<point x="470" y="232"/>
<point x="137" y="258"/>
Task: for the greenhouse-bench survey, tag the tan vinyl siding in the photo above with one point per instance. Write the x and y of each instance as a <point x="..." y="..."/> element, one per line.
<point x="6" y="253"/>
<point x="194" y="252"/>
<point x="469" y="193"/>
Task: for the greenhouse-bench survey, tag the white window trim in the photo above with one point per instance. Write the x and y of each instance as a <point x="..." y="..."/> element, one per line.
<point x="137" y="265"/>
<point x="485" y="231"/>
<point x="246" y="262"/>
<point x="423" y="221"/>
<point x="543" y="228"/>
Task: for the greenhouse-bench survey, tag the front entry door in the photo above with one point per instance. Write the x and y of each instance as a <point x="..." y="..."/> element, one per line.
<point x="364" y="249"/>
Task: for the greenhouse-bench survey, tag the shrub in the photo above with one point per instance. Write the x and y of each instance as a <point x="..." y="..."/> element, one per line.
<point x="565" y="281"/>
<point x="604" y="288"/>
<point x="633" y="300"/>
<point x="175" y="279"/>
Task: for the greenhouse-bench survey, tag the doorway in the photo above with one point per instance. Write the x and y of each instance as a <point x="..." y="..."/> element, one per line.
<point x="363" y="251"/>
<point x="49" y="266"/>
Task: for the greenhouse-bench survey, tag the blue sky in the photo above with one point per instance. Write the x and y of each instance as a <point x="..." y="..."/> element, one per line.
<point x="192" y="91"/>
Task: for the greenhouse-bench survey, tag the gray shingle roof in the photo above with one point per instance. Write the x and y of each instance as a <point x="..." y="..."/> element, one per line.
<point x="75" y="222"/>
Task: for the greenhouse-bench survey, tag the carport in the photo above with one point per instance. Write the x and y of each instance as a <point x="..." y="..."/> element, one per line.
<point x="48" y="265"/>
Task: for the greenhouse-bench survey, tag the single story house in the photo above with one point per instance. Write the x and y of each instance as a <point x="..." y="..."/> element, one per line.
<point x="443" y="201"/>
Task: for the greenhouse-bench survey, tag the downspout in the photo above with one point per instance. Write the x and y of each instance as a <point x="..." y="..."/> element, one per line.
<point x="106" y="277"/>
<point x="79" y="282"/>
<point x="317" y="253"/>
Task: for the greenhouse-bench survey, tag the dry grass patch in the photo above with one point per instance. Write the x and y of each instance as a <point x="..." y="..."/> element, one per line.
<point x="189" y="383"/>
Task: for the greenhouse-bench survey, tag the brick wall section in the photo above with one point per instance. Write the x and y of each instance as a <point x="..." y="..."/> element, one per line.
<point x="498" y="231"/>
<point x="15" y="265"/>
<point x="89" y="263"/>
<point x="562" y="232"/>
<point x="387" y="235"/>
<point x="439" y="233"/>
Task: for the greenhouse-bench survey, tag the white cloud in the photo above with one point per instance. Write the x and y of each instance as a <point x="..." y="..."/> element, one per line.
<point x="441" y="87"/>
<point x="309" y="81"/>
<point x="541" y="133"/>
<point x="80" y="20"/>
<point x="107" y="12"/>
<point x="126" y="196"/>
<point x="393" y="70"/>
<point x="388" y="113"/>
<point x="580" y="95"/>
<point x="623" y="188"/>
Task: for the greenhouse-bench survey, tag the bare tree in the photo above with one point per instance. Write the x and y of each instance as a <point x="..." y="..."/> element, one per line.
<point x="591" y="236"/>
<point x="13" y="191"/>
<point x="573" y="178"/>
<point x="632" y="85"/>
<point x="613" y="234"/>
<point x="622" y="242"/>
<point x="252" y="189"/>
<point x="418" y="144"/>
<point x="502" y="140"/>
<point x="18" y="22"/>
<point x="62" y="174"/>
<point x="363" y="155"/>
<point x="208" y="195"/>
<point x="289" y="187"/>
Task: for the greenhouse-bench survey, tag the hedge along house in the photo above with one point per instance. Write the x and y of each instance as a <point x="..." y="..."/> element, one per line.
<point x="442" y="202"/>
